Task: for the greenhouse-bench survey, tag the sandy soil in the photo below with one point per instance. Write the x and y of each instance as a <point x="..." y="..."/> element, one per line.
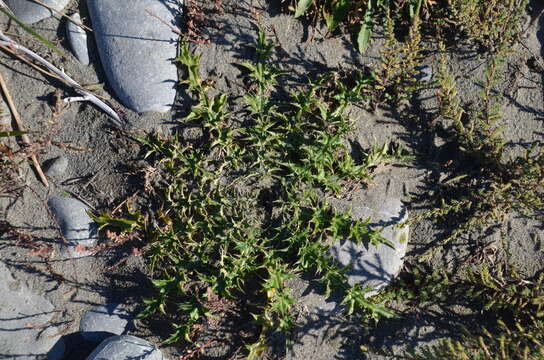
<point x="110" y="161"/>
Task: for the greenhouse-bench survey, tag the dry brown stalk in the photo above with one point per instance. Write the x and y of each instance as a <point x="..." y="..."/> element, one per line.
<point x="21" y="127"/>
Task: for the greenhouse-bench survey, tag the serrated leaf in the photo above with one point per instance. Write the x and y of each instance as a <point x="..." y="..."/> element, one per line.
<point x="363" y="38"/>
<point x="302" y="7"/>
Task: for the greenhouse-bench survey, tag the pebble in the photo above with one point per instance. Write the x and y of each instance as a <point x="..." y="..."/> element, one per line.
<point x="29" y="12"/>
<point x="374" y="267"/>
<point x="75" y="224"/>
<point x="20" y="309"/>
<point x="5" y="115"/>
<point x="103" y="321"/>
<point x="78" y="39"/>
<point x="125" y="347"/>
<point x="137" y="51"/>
<point x="56" y="167"/>
<point x="425" y="73"/>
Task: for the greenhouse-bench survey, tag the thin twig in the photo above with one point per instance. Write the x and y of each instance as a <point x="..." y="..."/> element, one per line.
<point x="192" y="353"/>
<point x="176" y="31"/>
<point x="7" y="41"/>
<point x="29" y="62"/>
<point x="20" y="127"/>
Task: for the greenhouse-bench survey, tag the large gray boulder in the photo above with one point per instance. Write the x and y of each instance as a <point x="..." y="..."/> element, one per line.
<point x="26" y="331"/>
<point x="137" y="50"/>
<point x="125" y="347"/>
<point x="76" y="226"/>
<point x="29" y="11"/>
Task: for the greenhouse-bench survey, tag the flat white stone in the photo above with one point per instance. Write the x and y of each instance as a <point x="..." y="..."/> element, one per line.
<point x="25" y="329"/>
<point x="78" y="39"/>
<point x="75" y="224"/>
<point x="137" y="50"/>
<point x="30" y="12"/>
<point x="125" y="347"/>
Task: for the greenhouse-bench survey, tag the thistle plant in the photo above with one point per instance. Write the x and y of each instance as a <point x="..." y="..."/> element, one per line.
<point x="246" y="209"/>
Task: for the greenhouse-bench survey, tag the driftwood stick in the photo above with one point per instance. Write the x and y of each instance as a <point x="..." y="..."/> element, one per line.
<point x="21" y="127"/>
<point x="7" y="41"/>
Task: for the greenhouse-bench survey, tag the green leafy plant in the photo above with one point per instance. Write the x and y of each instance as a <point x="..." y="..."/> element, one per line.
<point x="245" y="210"/>
<point x="360" y="16"/>
<point x="514" y="303"/>
<point x="493" y="25"/>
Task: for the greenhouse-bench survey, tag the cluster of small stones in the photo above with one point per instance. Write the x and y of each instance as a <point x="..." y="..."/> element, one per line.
<point x="25" y="332"/>
<point x="125" y="37"/>
<point x="142" y="83"/>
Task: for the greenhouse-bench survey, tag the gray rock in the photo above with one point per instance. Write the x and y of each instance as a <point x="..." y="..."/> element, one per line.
<point x="374" y="267"/>
<point x="79" y="230"/>
<point x="323" y="330"/>
<point x="103" y="321"/>
<point x="56" y="167"/>
<point x="125" y="347"/>
<point x="137" y="51"/>
<point x="30" y="12"/>
<point x="78" y="39"/>
<point x="425" y="73"/>
<point x="25" y="322"/>
<point x="5" y="114"/>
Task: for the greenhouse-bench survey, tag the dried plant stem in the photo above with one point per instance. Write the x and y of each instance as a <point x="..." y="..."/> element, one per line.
<point x="8" y="42"/>
<point x="29" y="62"/>
<point x="21" y="127"/>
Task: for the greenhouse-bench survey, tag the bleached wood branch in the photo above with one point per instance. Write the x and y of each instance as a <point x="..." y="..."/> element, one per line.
<point x="8" y="42"/>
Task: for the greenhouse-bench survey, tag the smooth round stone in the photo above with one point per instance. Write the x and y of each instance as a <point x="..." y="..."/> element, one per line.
<point x="376" y="266"/>
<point x="125" y="347"/>
<point x="21" y="314"/>
<point x="56" y="167"/>
<point x="30" y="12"/>
<point x="77" y="37"/>
<point x="75" y="224"/>
<point x="137" y="51"/>
<point x="103" y="321"/>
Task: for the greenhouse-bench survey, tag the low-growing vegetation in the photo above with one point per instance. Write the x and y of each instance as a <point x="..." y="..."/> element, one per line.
<point x="244" y="208"/>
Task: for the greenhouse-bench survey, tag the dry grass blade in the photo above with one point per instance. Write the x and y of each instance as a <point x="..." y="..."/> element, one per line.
<point x="20" y="127"/>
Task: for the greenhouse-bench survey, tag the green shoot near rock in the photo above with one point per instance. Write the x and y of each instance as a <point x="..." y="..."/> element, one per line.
<point x="245" y="209"/>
